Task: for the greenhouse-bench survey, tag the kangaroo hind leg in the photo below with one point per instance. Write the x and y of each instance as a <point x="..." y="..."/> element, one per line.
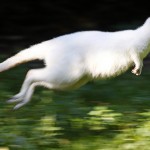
<point x="30" y="91"/>
<point x="32" y="76"/>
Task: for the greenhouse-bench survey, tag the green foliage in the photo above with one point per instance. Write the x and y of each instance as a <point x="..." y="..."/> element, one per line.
<point x="111" y="114"/>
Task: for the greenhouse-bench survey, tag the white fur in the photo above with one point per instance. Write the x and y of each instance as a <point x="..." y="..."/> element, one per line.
<point x="74" y="59"/>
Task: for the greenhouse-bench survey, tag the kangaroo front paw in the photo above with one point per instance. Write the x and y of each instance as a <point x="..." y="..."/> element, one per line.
<point x="136" y="71"/>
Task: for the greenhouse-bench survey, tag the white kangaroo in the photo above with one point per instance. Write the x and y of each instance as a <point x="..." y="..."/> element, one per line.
<point x="74" y="59"/>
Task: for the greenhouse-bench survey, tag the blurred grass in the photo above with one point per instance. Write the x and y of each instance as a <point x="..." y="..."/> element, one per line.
<point x="110" y="114"/>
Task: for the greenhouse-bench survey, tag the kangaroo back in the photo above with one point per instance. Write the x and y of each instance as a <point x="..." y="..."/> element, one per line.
<point x="21" y="57"/>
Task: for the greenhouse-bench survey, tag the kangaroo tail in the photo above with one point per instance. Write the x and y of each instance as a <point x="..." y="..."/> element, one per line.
<point x="21" y="57"/>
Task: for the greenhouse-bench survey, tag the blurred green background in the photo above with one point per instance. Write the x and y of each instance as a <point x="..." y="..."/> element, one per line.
<point x="111" y="114"/>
